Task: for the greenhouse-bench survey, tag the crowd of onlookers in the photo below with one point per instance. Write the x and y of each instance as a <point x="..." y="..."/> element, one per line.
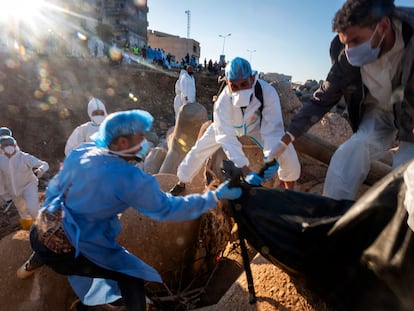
<point x="79" y="46"/>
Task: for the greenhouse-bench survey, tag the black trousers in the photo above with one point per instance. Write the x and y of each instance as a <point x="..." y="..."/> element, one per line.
<point x="132" y="288"/>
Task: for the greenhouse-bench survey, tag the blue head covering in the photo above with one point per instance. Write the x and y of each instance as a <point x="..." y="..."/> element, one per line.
<point x="7" y="139"/>
<point x="5" y="131"/>
<point x="238" y="69"/>
<point x="122" y="123"/>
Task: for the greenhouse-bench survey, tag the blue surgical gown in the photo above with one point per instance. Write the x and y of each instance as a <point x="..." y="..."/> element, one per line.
<point x="97" y="186"/>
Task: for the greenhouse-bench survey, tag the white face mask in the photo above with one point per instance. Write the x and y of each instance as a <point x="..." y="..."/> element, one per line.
<point x="130" y="152"/>
<point x="97" y="119"/>
<point x="242" y="98"/>
<point x="9" y="149"/>
<point x="364" y="53"/>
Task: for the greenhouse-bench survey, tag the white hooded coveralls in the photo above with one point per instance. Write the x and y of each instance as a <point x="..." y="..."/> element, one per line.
<point x="230" y="122"/>
<point x="21" y="183"/>
<point x="177" y="98"/>
<point x="186" y="85"/>
<point x="83" y="132"/>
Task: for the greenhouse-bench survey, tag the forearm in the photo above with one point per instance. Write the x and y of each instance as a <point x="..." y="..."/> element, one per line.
<point x="306" y="118"/>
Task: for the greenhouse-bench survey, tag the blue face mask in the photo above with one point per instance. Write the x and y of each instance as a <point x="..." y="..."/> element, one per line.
<point x="364" y="53"/>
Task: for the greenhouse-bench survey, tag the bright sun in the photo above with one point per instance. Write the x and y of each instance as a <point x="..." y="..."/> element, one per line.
<point x="19" y="9"/>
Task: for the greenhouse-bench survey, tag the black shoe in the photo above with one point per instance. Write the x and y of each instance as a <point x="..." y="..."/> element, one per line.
<point x="178" y="189"/>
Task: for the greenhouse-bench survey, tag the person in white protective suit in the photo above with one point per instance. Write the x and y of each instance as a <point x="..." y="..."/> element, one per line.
<point x="5" y="131"/>
<point x="187" y="87"/>
<point x="5" y="199"/>
<point x="177" y="89"/>
<point x="20" y="172"/>
<point x="237" y="113"/>
<point x="82" y="133"/>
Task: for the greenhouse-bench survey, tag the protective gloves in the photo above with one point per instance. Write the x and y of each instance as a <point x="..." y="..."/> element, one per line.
<point x="271" y="171"/>
<point x="38" y="172"/>
<point x="276" y="151"/>
<point x="254" y="179"/>
<point x="223" y="192"/>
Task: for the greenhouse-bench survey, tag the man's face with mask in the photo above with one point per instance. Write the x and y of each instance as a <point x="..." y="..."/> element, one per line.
<point x="242" y="91"/>
<point x="8" y="148"/>
<point x="97" y="116"/>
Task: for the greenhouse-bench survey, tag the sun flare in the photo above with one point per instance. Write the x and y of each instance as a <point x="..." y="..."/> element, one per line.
<point x="19" y="9"/>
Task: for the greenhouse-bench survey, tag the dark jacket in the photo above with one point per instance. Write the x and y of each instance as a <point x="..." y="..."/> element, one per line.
<point x="345" y="80"/>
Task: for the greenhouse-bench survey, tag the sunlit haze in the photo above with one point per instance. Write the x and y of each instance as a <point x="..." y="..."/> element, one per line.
<point x="17" y="10"/>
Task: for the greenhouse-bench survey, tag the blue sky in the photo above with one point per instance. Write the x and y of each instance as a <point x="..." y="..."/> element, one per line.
<point x="288" y="36"/>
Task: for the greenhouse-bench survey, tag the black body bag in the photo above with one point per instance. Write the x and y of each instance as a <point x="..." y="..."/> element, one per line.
<point x="289" y="228"/>
<point x="358" y="255"/>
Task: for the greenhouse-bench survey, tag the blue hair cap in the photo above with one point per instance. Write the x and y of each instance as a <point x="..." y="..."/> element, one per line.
<point x="122" y="123"/>
<point x="6" y="140"/>
<point x="5" y="131"/>
<point x="238" y="69"/>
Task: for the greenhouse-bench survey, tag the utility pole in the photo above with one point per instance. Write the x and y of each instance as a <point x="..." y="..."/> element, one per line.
<point x="251" y="52"/>
<point x="188" y="12"/>
<point x="224" y="41"/>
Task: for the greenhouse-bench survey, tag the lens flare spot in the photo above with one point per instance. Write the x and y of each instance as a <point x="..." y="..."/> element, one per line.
<point x="42" y="72"/>
<point x="81" y="36"/>
<point x="140" y="3"/>
<point x="38" y="94"/>
<point x="45" y="85"/>
<point x="64" y="113"/>
<point x="52" y="100"/>
<point x="183" y="144"/>
<point x="179" y="241"/>
<point x="115" y="53"/>
<point x="13" y="108"/>
<point x="113" y="82"/>
<point x="1" y="88"/>
<point x="11" y="63"/>
<point x="44" y="106"/>
<point x="110" y="91"/>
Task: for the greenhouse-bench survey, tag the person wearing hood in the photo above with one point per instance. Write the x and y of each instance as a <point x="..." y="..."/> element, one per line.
<point x="187" y="88"/>
<point x="96" y="184"/>
<point x="5" y="131"/>
<point x="20" y="173"/>
<point x="5" y="198"/>
<point x="238" y="112"/>
<point x="177" y="89"/>
<point x="82" y="133"/>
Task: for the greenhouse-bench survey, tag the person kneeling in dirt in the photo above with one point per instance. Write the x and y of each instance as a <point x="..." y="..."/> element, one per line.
<point x="238" y="112"/>
<point x="95" y="185"/>
<point x="20" y="173"/>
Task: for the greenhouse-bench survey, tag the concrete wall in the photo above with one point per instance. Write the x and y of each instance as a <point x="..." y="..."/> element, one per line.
<point x="174" y="45"/>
